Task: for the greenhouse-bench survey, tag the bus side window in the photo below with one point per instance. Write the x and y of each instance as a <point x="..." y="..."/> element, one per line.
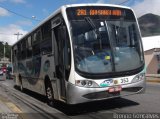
<point x="46" y="43"/>
<point x="29" y="47"/>
<point x="14" y="55"/>
<point x="36" y="42"/>
<point x="19" y="51"/>
<point x="23" y="47"/>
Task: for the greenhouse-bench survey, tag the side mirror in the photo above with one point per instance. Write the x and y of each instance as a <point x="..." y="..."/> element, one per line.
<point x="56" y="22"/>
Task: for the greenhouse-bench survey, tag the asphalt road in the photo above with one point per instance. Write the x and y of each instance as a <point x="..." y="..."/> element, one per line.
<point x="149" y="102"/>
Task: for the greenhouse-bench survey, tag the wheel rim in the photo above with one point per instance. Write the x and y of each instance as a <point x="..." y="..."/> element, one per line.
<point x="49" y="93"/>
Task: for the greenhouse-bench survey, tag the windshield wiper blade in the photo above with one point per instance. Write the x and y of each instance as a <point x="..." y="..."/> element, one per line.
<point x="89" y="20"/>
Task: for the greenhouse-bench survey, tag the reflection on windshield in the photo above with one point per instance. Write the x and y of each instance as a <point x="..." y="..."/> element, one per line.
<point x="115" y="48"/>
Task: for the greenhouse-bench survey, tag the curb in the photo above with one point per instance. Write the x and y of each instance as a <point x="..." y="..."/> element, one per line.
<point x="153" y="81"/>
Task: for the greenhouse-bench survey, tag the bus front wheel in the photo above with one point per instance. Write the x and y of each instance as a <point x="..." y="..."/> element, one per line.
<point x="49" y="94"/>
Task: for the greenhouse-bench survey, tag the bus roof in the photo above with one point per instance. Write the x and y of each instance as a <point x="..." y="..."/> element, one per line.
<point x="95" y="4"/>
<point x="63" y="8"/>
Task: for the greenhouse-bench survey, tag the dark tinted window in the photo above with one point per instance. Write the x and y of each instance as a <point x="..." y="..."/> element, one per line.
<point x="23" y="47"/>
<point x="46" y="43"/>
<point x="46" y="31"/>
<point x="29" y="47"/>
<point x="19" y="51"/>
<point x="36" y="42"/>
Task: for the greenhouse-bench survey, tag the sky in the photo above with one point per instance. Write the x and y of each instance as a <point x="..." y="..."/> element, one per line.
<point x="32" y="12"/>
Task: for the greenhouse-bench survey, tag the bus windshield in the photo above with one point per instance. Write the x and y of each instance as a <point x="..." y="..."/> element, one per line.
<point x="106" y="45"/>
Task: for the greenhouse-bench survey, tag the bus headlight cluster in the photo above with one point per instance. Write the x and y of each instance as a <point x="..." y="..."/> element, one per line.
<point x="138" y="78"/>
<point x="86" y="83"/>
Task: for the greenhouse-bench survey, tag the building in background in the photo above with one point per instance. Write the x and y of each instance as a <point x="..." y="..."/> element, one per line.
<point x="152" y="54"/>
<point x="4" y="62"/>
<point x="152" y="60"/>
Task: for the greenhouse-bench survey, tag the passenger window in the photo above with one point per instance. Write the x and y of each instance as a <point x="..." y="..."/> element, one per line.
<point x="19" y="51"/>
<point x="29" y="47"/>
<point x="14" y="54"/>
<point x="46" y="31"/>
<point x="23" y="47"/>
<point x="46" y="44"/>
<point x="36" y="42"/>
<point x="37" y="36"/>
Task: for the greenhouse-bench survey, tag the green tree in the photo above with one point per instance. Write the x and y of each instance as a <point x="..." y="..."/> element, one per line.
<point x="1" y="49"/>
<point x="7" y="50"/>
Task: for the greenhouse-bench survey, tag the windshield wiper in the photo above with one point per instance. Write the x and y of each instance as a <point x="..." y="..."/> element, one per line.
<point x="96" y="31"/>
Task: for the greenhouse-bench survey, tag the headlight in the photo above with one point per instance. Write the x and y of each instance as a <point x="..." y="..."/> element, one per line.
<point x="138" y="78"/>
<point x="86" y="83"/>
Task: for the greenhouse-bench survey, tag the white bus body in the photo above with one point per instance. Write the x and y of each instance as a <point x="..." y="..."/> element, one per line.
<point x="82" y="53"/>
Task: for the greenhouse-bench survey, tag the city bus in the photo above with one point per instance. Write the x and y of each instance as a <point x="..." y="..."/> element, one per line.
<point x="82" y="53"/>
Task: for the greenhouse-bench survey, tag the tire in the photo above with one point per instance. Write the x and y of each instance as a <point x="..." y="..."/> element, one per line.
<point x="49" y="95"/>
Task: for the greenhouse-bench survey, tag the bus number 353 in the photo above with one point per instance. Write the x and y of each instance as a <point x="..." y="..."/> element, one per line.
<point x="124" y="80"/>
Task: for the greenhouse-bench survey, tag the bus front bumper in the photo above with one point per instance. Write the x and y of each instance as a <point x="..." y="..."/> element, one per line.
<point x="76" y="94"/>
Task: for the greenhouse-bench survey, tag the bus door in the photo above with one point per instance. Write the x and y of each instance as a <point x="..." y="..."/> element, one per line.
<point x="59" y="51"/>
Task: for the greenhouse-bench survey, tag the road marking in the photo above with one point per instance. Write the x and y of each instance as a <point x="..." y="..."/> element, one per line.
<point x="9" y="104"/>
<point x="4" y="108"/>
<point x="9" y="107"/>
<point x="13" y="107"/>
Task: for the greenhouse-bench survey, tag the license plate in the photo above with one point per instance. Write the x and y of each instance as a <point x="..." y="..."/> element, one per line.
<point x="115" y="89"/>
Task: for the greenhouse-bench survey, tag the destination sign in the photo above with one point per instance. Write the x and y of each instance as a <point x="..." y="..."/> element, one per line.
<point x="91" y="12"/>
<point x="99" y="12"/>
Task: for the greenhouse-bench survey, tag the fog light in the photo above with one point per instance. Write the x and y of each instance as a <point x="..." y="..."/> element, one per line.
<point x="83" y="83"/>
<point x="89" y="83"/>
<point x="78" y="82"/>
<point x="86" y="83"/>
